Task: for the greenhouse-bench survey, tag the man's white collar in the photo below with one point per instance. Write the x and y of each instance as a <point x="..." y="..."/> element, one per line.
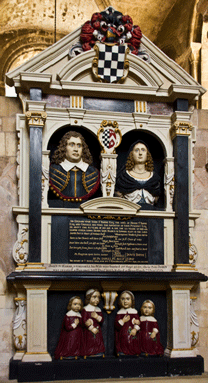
<point x="67" y="165"/>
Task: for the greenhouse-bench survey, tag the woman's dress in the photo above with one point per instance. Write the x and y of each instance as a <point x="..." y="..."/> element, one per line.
<point x="126" y="343"/>
<point x="150" y="346"/>
<point x="71" y="338"/>
<point x="93" y="343"/>
<point x="138" y="190"/>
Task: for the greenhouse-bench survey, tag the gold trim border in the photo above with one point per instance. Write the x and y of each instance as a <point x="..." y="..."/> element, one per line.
<point x="20" y="299"/>
<point x="36" y="353"/>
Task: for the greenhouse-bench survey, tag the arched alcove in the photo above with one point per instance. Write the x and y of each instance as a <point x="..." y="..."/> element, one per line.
<point x="156" y="149"/>
<point x="94" y="147"/>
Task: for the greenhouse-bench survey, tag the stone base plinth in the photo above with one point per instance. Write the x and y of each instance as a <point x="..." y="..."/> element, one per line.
<point x="37" y="357"/>
<point x="107" y="368"/>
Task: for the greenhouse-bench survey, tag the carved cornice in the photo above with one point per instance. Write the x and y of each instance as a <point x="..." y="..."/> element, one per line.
<point x="36" y="118"/>
<point x="180" y="128"/>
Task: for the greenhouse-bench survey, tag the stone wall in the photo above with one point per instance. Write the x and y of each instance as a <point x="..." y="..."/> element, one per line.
<point x="8" y="229"/>
<point x="200" y="234"/>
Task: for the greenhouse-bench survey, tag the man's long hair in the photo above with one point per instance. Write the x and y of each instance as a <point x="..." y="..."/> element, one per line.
<point x="60" y="153"/>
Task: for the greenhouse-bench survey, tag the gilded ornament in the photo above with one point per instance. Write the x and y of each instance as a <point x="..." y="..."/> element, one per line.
<point x="35" y="118"/>
<point x="109" y="138"/>
<point x="109" y="301"/>
<point x="180" y="128"/>
<point x="20" y="250"/>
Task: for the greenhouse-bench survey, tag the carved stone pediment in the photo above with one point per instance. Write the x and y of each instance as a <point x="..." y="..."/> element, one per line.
<point x="111" y="205"/>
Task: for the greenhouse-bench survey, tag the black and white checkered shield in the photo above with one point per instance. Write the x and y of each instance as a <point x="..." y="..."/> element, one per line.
<point x="109" y="138"/>
<point x="111" y="62"/>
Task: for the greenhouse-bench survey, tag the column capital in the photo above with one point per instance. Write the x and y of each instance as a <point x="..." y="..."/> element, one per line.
<point x="180" y="128"/>
<point x="37" y="285"/>
<point x="36" y="118"/>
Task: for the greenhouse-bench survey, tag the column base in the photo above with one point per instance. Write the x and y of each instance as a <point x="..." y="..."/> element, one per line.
<point x="20" y="267"/>
<point x="30" y="266"/>
<point x="18" y="355"/>
<point x="132" y="367"/>
<point x="36" y="357"/>
<point x="34" y="266"/>
<point x="184" y="267"/>
<point x="180" y="353"/>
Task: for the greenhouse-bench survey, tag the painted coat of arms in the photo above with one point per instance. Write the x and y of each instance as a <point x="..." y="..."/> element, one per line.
<point x="110" y="63"/>
<point x="112" y="35"/>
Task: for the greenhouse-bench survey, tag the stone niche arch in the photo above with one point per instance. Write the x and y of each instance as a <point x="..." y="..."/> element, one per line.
<point x="90" y="139"/>
<point x="156" y="149"/>
<point x="79" y="69"/>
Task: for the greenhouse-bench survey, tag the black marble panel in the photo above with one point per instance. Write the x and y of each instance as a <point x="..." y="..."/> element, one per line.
<point x="96" y="277"/>
<point x="181" y="200"/>
<point x="106" y="104"/>
<point x="35" y="94"/>
<point x="82" y="240"/>
<point x="35" y="187"/>
<point x="59" y="239"/>
<point x="190" y="366"/>
<point x="181" y="104"/>
<point x="105" y="368"/>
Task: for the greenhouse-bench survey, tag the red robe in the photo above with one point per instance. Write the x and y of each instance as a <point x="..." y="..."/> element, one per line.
<point x="71" y="339"/>
<point x="93" y="344"/>
<point x="148" y="345"/>
<point x="126" y="343"/>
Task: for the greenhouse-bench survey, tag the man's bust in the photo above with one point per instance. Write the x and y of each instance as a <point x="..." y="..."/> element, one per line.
<point x="72" y="177"/>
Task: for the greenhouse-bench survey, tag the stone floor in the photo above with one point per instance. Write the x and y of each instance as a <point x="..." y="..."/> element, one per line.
<point x="174" y="379"/>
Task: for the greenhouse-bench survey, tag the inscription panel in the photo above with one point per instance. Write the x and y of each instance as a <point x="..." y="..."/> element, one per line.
<point x="83" y="241"/>
<point x="100" y="241"/>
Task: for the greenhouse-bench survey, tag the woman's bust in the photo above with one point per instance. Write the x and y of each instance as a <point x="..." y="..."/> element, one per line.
<point x="137" y="181"/>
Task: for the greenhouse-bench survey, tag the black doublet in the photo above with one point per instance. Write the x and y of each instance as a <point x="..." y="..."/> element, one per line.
<point x="74" y="184"/>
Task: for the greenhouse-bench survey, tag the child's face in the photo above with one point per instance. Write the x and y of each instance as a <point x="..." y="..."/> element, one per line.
<point x="95" y="298"/>
<point x="126" y="301"/>
<point x="147" y="309"/>
<point x="76" y="305"/>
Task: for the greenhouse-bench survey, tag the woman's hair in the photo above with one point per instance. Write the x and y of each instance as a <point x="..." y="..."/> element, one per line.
<point x="88" y="296"/>
<point x="60" y="152"/>
<point x="149" y="165"/>
<point x="132" y="298"/>
<point x="148" y="301"/>
<point x="71" y="300"/>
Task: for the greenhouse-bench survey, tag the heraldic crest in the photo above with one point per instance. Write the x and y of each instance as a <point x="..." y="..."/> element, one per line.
<point x="112" y="35"/>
